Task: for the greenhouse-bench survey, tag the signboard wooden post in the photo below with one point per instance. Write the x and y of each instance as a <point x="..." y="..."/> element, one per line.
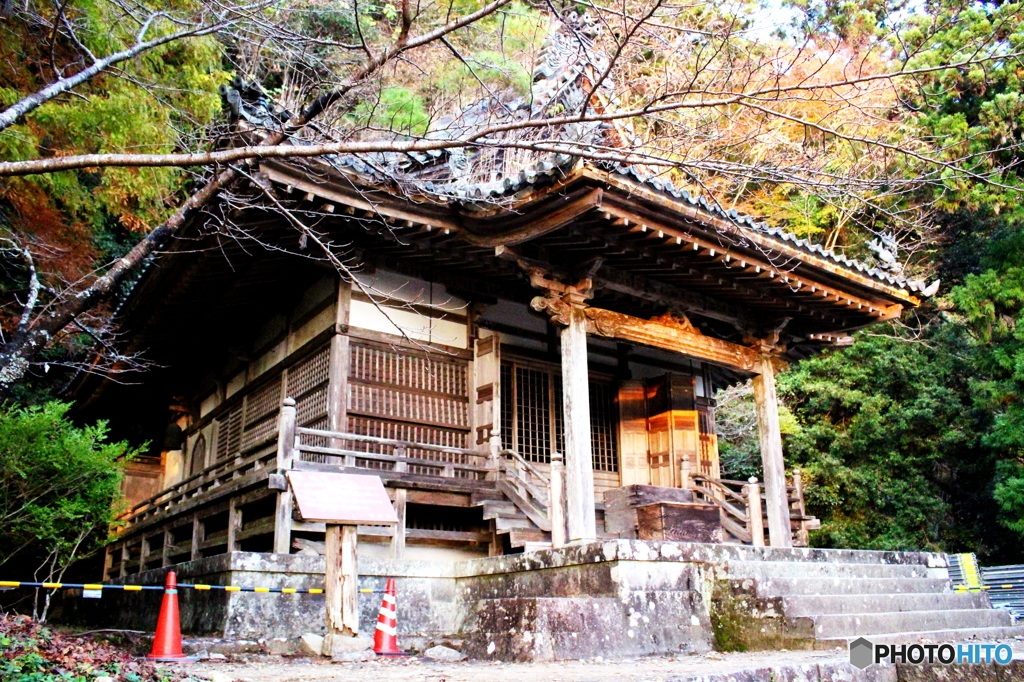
<point x="343" y="502"/>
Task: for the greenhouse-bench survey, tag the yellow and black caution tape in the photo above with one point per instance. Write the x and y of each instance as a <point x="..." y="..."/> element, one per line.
<point x="973" y="588"/>
<point x="194" y="586"/>
<point x="139" y="588"/>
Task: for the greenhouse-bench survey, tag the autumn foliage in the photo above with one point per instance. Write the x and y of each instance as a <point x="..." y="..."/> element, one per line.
<point x="30" y="652"/>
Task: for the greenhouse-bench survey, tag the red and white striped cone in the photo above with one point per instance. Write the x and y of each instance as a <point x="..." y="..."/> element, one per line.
<point x="385" y="637"/>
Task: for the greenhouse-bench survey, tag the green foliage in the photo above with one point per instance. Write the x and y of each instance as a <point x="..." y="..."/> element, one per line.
<point x="976" y="110"/>
<point x="736" y="426"/>
<point x="496" y="71"/>
<point x="846" y="19"/>
<point x="396" y="109"/>
<point x="112" y="115"/>
<point x="58" y="483"/>
<point x="889" y="433"/>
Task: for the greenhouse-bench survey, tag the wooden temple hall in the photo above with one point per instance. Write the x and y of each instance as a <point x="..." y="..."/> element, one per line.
<point x="515" y="319"/>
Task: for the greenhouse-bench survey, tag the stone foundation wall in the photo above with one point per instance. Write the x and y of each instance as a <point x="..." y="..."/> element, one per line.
<point x="613" y="598"/>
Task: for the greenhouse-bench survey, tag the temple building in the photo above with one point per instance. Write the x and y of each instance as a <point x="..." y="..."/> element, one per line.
<point x="453" y="322"/>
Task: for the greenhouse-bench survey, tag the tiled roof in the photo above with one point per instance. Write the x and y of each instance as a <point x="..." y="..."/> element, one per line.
<point x="490" y="175"/>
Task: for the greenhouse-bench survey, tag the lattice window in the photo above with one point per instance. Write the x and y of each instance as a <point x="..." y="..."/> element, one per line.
<point x="263" y="402"/>
<point x="261" y="408"/>
<point x="411" y="396"/>
<point x="307" y="384"/>
<point x="408" y="386"/>
<point x="229" y="434"/>
<point x="602" y="427"/>
<point x="706" y="413"/>
<point x="416" y="433"/>
<point x="532" y="423"/>
<point x="408" y="370"/>
<point x="309" y="374"/>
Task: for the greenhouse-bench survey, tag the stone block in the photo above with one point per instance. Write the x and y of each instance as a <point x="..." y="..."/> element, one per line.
<point x="335" y="644"/>
<point x="844" y="672"/>
<point x="279" y="646"/>
<point x="443" y="653"/>
<point x="353" y="656"/>
<point x="806" y="672"/>
<point x="947" y="673"/>
<point x="311" y="643"/>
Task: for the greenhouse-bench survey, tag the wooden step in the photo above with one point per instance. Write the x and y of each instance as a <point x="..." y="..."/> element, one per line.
<point x="521" y="536"/>
<point x="493" y="509"/>
<point x="480" y="496"/>
<point x="503" y="524"/>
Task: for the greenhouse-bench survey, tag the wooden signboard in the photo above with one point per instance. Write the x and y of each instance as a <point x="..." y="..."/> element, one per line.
<point x="342" y="499"/>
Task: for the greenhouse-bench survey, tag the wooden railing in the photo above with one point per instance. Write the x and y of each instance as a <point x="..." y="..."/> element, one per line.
<point x="449" y="462"/>
<point x="742" y="508"/>
<point x="739" y="504"/>
<point x="526" y="485"/>
<point x="213" y="476"/>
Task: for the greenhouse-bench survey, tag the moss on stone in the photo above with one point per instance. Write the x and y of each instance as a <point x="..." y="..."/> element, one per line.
<point x="730" y="617"/>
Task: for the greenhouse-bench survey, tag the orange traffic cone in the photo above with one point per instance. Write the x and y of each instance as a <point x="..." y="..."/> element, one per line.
<point x="167" y="643"/>
<point x="385" y="638"/>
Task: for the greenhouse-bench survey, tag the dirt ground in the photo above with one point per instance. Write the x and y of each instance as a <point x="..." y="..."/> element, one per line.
<point x="650" y="669"/>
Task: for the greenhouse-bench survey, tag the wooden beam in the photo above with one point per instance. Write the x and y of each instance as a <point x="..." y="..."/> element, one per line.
<point x="338" y="365"/>
<point x="196" y="538"/>
<point x="352" y="198"/>
<point x="668" y="295"/>
<point x="285" y="455"/>
<point x="574" y="206"/>
<point x="766" y="405"/>
<point x="670" y="333"/>
<point x="234" y="523"/>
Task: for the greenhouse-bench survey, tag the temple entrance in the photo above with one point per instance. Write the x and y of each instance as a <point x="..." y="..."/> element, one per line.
<point x="666" y="428"/>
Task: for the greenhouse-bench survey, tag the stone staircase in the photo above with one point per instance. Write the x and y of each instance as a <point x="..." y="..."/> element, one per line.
<point x="814" y="604"/>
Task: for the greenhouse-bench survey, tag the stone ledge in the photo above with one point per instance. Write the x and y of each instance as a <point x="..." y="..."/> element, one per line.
<point x="690" y="552"/>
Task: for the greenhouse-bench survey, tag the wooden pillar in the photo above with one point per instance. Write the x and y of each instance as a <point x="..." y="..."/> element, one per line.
<point x="579" y="494"/>
<point x="197" y="536"/>
<point x="398" y="539"/>
<point x="341" y="581"/>
<point x="234" y="524"/>
<point x="755" y="520"/>
<point x="285" y="454"/>
<point x="556" y="501"/>
<point x="766" y="404"/>
<point x="168" y="541"/>
<point x="338" y="365"/>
